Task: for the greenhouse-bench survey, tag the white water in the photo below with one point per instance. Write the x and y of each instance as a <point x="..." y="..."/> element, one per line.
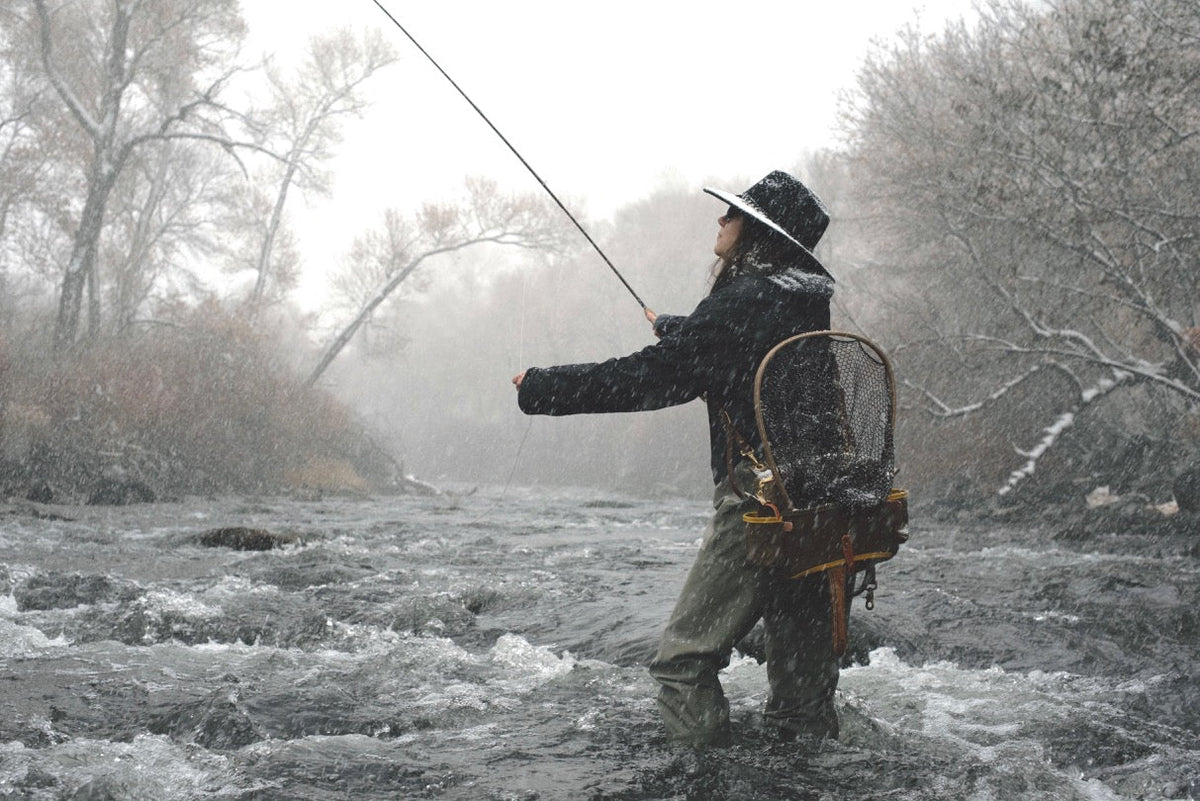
<point x="491" y="646"/>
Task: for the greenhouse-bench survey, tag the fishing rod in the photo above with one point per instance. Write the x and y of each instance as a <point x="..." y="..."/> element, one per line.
<point x="504" y="139"/>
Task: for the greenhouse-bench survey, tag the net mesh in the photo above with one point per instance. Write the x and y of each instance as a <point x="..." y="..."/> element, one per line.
<point x="825" y="406"/>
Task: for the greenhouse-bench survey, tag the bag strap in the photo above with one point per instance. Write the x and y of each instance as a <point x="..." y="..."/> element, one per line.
<point x="731" y="436"/>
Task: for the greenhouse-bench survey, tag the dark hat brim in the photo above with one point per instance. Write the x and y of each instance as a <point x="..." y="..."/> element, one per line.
<point x="750" y="209"/>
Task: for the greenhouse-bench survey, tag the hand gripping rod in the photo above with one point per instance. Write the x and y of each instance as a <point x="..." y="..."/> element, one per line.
<point x="503" y="139"/>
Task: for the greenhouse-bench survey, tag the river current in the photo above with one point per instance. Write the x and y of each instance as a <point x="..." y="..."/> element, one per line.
<point x="490" y="644"/>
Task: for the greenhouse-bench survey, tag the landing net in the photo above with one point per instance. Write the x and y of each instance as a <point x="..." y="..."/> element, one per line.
<point x="825" y="403"/>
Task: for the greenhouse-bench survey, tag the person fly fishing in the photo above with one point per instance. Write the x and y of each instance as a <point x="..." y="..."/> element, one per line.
<point x="767" y="286"/>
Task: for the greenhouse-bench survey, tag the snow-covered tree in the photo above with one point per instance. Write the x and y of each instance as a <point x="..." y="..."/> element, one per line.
<point x="1030" y="183"/>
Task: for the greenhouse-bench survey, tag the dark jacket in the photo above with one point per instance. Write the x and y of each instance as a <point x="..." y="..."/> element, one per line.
<point x="712" y="352"/>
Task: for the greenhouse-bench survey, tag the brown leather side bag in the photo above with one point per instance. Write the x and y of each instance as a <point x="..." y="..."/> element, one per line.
<point x="804" y="541"/>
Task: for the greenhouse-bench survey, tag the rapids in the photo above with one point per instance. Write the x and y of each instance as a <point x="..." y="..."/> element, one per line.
<point x="490" y="645"/>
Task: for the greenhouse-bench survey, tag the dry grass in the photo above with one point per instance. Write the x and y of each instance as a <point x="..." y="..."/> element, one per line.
<point x="206" y="404"/>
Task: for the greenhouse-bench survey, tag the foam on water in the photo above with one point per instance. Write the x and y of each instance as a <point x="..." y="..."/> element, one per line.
<point x="570" y="556"/>
<point x="1007" y="720"/>
<point x="149" y="766"/>
<point x="528" y="665"/>
<point x="234" y="588"/>
<point x="17" y="640"/>
<point x="978" y="707"/>
<point x="183" y="605"/>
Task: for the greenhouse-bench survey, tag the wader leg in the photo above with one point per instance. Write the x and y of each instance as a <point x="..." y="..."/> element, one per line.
<point x="802" y="669"/>
<point x="719" y="604"/>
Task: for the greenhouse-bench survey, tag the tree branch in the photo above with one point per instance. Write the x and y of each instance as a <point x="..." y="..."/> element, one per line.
<point x="74" y="106"/>
<point x="1062" y="423"/>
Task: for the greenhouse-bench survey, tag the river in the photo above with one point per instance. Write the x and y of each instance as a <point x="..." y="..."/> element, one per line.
<point x="490" y="644"/>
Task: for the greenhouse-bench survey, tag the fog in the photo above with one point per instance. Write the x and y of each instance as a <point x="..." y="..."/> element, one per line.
<point x="435" y="373"/>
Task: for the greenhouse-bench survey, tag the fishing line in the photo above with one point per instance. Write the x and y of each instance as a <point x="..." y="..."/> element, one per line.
<point x="517" y="457"/>
<point x="520" y="365"/>
<point x="521" y="335"/>
<point x="507" y="484"/>
<point x="521" y="158"/>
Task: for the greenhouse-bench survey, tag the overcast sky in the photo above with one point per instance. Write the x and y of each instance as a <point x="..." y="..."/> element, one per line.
<point x="604" y="100"/>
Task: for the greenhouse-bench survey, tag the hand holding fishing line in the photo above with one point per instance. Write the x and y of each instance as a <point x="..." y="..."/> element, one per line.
<point x="652" y="316"/>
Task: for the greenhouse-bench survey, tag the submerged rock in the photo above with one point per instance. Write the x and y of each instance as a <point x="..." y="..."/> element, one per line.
<point x="1186" y="489"/>
<point x="120" y="491"/>
<point x="240" y="538"/>
<point x="65" y="591"/>
<point x="216" y="722"/>
<point x="106" y="787"/>
<point x="40" y="492"/>
<point x="37" y="779"/>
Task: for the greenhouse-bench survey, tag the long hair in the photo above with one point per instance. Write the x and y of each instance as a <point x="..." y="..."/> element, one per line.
<point x="759" y="250"/>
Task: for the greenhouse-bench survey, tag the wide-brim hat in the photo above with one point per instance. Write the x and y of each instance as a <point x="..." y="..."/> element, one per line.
<point x="786" y="206"/>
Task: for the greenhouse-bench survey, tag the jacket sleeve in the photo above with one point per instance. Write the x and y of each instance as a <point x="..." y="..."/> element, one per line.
<point x="678" y="368"/>
<point x="664" y="324"/>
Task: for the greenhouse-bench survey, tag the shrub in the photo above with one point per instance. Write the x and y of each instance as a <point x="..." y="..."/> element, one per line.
<point x="205" y="404"/>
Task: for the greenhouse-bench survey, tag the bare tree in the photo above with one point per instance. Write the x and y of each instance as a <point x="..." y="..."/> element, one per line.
<point x="161" y="223"/>
<point x="22" y="162"/>
<point x="302" y="124"/>
<point x="134" y="73"/>
<point x="18" y="165"/>
<point x="381" y="260"/>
